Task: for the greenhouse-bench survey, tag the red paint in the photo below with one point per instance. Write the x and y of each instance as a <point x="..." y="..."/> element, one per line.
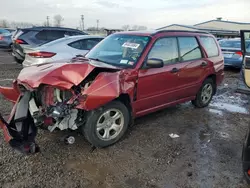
<point x="148" y="89"/>
<point x="3" y="126"/>
<point x="20" y="41"/>
<point x="62" y="75"/>
<point x="10" y="93"/>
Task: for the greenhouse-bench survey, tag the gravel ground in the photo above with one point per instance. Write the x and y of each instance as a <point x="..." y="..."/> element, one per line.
<point x="207" y="153"/>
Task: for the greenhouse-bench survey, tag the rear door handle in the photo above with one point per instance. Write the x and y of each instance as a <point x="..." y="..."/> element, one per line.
<point x="174" y="70"/>
<point x="204" y="64"/>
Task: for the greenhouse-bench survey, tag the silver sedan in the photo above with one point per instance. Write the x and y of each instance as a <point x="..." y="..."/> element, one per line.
<point x="63" y="49"/>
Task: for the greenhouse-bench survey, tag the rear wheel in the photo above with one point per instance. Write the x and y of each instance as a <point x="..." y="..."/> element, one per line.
<point x="106" y="125"/>
<point x="18" y="60"/>
<point x="205" y="94"/>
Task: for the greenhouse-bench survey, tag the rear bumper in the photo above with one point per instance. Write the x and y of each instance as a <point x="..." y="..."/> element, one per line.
<point x="229" y="62"/>
<point x="36" y="61"/>
<point x="4" y="44"/>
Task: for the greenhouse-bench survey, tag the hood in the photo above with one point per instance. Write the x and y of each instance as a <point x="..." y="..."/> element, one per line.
<point x="63" y="75"/>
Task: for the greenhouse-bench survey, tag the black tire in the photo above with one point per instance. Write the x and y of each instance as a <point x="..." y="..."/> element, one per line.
<point x="198" y="100"/>
<point x="10" y="48"/>
<point x="18" y="60"/>
<point x="89" y="129"/>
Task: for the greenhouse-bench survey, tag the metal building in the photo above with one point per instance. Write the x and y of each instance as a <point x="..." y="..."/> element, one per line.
<point x="220" y="28"/>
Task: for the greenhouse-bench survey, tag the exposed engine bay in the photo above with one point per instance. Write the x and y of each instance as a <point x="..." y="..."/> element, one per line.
<point x="53" y="108"/>
<point x="48" y="107"/>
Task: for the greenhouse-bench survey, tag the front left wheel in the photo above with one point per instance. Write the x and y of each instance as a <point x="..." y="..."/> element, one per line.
<point x="106" y="125"/>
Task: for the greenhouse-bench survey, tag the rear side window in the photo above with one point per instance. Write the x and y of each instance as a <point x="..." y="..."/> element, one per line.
<point x="55" y="34"/>
<point x="42" y="35"/>
<point x="165" y="49"/>
<point x="210" y="46"/>
<point x="50" y="35"/>
<point x="85" y="44"/>
<point x="189" y="48"/>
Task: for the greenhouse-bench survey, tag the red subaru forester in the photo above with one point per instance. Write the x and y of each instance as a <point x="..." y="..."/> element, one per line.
<point x="128" y="74"/>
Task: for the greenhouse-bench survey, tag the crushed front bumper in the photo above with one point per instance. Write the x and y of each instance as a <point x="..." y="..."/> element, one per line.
<point x="19" y="131"/>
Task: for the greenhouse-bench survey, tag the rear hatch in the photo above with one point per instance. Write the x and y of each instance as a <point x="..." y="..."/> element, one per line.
<point x="17" y="43"/>
<point x="24" y="38"/>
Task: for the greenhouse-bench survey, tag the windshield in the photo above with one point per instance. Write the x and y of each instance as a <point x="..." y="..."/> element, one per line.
<point x="230" y="43"/>
<point x="119" y="50"/>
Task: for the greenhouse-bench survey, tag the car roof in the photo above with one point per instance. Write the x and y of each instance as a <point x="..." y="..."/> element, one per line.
<point x="154" y="32"/>
<point x="69" y="39"/>
<point x="51" y="28"/>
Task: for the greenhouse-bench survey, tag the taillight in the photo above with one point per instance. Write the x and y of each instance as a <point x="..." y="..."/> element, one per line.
<point x="41" y="54"/>
<point x="239" y="53"/>
<point x="1" y="37"/>
<point x="20" y="41"/>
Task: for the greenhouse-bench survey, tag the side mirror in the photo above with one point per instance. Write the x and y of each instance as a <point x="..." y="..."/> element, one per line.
<point x="155" y="63"/>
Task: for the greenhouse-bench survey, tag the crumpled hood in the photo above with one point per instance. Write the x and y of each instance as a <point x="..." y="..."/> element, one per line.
<point x="63" y="75"/>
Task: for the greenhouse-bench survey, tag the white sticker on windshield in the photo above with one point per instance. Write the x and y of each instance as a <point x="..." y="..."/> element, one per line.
<point x="130" y="45"/>
<point x="124" y="61"/>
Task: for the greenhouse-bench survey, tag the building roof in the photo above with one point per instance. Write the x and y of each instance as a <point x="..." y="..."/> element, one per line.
<point x="154" y="32"/>
<point x="231" y="22"/>
<point x="185" y="26"/>
<point x="193" y="28"/>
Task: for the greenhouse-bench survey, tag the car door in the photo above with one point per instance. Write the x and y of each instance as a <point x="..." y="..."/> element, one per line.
<point x="156" y="86"/>
<point x="191" y="68"/>
<point x="245" y="47"/>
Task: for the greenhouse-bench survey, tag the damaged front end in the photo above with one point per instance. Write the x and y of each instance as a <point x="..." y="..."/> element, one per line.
<point x="57" y="98"/>
<point x="20" y="130"/>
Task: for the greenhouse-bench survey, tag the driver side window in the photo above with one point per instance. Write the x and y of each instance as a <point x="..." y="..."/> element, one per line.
<point x="165" y="49"/>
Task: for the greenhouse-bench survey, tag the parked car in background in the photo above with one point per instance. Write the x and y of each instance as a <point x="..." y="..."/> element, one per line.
<point x="231" y="49"/>
<point x="35" y="36"/>
<point x="127" y="75"/>
<point x="5" y="38"/>
<point x="61" y="49"/>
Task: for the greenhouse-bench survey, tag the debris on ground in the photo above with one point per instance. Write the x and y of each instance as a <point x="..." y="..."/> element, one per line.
<point x="172" y="135"/>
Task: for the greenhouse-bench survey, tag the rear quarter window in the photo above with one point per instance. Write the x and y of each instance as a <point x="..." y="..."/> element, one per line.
<point x="210" y="46"/>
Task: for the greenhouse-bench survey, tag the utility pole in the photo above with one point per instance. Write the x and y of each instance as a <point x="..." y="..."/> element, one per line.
<point x="47" y="20"/>
<point x="82" y="18"/>
<point x="97" y="24"/>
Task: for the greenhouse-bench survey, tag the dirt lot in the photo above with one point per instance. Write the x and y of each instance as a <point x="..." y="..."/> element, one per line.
<point x="207" y="153"/>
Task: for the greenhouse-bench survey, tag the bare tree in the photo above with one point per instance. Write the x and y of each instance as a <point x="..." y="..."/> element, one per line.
<point x="4" y="23"/>
<point x="125" y="27"/>
<point x="141" y="27"/>
<point x="45" y="24"/>
<point x="134" y="27"/>
<point x="58" y="19"/>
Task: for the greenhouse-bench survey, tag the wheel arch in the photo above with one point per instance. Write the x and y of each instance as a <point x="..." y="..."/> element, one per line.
<point x="125" y="99"/>
<point x="213" y="77"/>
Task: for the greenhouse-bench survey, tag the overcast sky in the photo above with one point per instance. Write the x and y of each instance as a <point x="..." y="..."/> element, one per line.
<point x="115" y="13"/>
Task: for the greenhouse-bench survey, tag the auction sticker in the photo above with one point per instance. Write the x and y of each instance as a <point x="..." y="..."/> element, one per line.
<point x="130" y="45"/>
<point x="124" y="61"/>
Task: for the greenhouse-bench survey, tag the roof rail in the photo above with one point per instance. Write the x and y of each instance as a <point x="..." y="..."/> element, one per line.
<point x="186" y="31"/>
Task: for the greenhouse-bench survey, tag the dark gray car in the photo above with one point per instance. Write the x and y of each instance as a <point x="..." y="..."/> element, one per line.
<point x="36" y="36"/>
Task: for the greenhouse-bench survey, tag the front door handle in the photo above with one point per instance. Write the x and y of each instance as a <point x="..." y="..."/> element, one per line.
<point x="174" y="70"/>
<point x="204" y="64"/>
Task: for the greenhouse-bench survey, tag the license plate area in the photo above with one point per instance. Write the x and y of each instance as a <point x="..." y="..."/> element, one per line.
<point x="228" y="55"/>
